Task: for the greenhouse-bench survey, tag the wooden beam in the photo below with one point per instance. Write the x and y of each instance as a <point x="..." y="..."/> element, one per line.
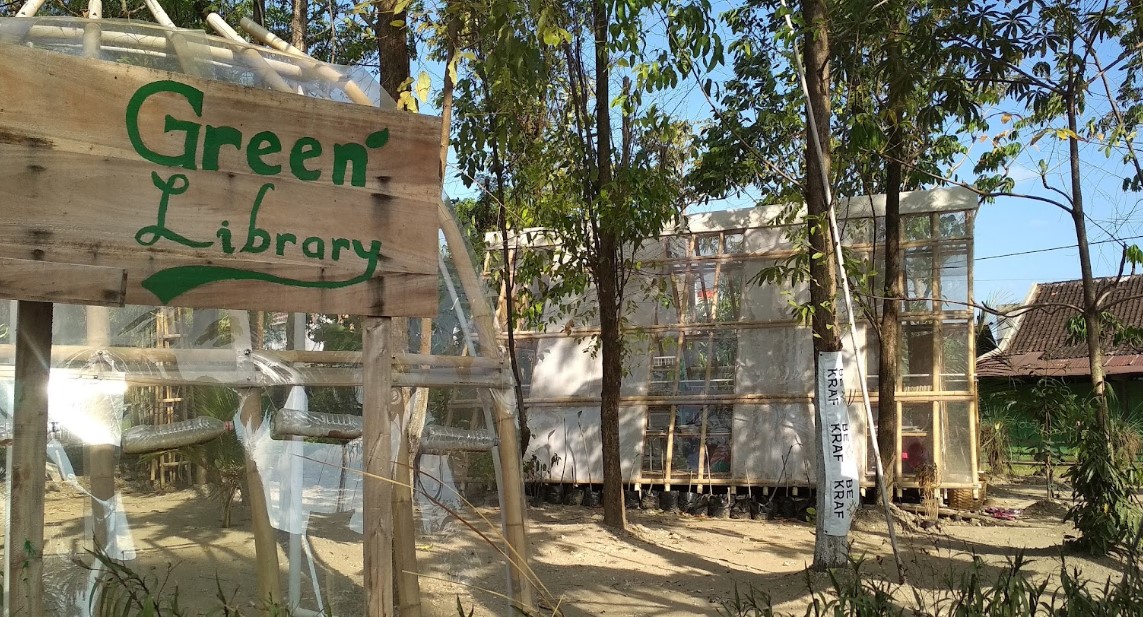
<point x="377" y="510"/>
<point x="23" y="279"/>
<point x="24" y="540"/>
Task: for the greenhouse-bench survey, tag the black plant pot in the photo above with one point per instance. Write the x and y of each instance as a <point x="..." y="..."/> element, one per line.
<point x="573" y="496"/>
<point x="669" y="501"/>
<point x="592" y="499"/>
<point x="718" y="506"/>
<point x="740" y="509"/>
<point x="554" y="494"/>
<point x="699" y="506"/>
<point x="649" y="500"/>
<point x="631" y="499"/>
<point x="687" y="500"/>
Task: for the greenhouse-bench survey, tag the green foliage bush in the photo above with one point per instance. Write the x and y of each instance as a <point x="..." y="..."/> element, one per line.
<point x="1011" y="594"/>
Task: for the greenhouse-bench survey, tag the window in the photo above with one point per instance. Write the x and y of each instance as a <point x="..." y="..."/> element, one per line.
<point x="692" y="363"/>
<point x="953" y="276"/>
<point x="917" y="356"/>
<point x="688" y="440"/>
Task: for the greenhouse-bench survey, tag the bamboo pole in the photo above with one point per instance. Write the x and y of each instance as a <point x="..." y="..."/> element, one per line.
<point x="401" y="361"/>
<point x="24" y="540"/>
<point x="323" y="71"/>
<point x="506" y="429"/>
<point x="378" y="467"/>
<point x="254" y="59"/>
<point x="101" y="458"/>
<point x="30" y="8"/>
<point x="265" y="540"/>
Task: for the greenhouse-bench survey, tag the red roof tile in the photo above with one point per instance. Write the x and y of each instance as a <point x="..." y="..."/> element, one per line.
<point x="1041" y="346"/>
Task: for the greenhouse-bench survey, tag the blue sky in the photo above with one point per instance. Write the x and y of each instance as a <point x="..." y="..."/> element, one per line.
<point x="1018" y="242"/>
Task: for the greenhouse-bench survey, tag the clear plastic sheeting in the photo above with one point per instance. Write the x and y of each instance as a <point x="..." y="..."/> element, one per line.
<point x="163" y="421"/>
<point x="178" y="436"/>
<point x="190" y="52"/>
<point x="444" y="439"/>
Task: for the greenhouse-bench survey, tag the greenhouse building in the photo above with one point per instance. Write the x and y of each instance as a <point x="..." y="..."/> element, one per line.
<point x="719" y="373"/>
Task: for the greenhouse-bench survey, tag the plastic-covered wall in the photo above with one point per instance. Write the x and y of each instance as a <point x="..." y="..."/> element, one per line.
<point x="718" y="376"/>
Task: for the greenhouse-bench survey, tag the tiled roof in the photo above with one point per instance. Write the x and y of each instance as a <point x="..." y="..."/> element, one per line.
<point x="1041" y="345"/>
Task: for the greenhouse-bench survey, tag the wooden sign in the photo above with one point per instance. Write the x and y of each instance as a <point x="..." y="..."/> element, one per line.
<point x="212" y="195"/>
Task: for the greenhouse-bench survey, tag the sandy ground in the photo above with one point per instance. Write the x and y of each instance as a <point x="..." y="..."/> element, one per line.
<point x="666" y="565"/>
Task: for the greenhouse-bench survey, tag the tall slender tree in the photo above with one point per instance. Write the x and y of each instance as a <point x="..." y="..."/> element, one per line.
<point x="598" y="186"/>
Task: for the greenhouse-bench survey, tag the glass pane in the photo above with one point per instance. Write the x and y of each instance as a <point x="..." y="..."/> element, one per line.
<point x="719" y="419"/>
<point x="954" y="356"/>
<point x="685" y="455"/>
<point x="857" y="231"/>
<point x="664" y="365"/>
<point x="917" y="227"/>
<point x="917" y="354"/>
<point x="678" y="247"/>
<point x="703" y="295"/>
<point x="718" y="454"/>
<point x="916" y="418"/>
<point x="663" y="294"/>
<point x="919" y="279"/>
<point x="916" y="453"/>
<point x="728" y="305"/>
<point x="696" y="358"/>
<point x="734" y="243"/>
<point x="654" y="453"/>
<point x="723" y="362"/>
<point x="952" y="225"/>
<point x="706" y="245"/>
<point x="658" y="419"/>
<point x="956" y="449"/>
<point x="954" y="276"/>
<point x="688" y="419"/>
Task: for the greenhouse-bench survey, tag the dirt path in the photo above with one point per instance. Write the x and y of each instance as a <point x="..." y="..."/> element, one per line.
<point x="666" y="565"/>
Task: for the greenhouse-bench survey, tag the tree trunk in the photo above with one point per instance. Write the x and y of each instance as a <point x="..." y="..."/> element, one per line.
<point x="607" y="289"/>
<point x="1091" y="307"/>
<point x="890" y="327"/>
<point x="829" y="551"/>
<point x="614" y="513"/>
<point x="298" y="24"/>
<point x="392" y="47"/>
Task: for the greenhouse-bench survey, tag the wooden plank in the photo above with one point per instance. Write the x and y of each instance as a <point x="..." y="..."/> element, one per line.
<point x="24" y="540"/>
<point x="25" y="279"/>
<point x="249" y="194"/>
<point x="377" y="511"/>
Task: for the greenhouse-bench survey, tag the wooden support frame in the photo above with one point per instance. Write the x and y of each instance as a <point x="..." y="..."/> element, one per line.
<point x="24" y="540"/>
<point x="377" y="511"/>
<point x="377" y="360"/>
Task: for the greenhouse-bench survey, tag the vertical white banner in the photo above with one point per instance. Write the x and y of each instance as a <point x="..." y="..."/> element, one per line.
<point x="837" y="433"/>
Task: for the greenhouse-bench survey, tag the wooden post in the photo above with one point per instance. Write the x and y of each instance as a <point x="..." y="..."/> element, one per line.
<point x="378" y="467"/>
<point x="265" y="540"/>
<point x="407" y="590"/>
<point x="24" y="540"/>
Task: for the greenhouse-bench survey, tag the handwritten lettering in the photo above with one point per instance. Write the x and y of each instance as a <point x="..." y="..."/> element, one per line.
<point x="264" y="150"/>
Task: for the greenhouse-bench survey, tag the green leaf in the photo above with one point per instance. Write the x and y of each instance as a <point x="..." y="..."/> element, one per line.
<point x="424" y="83"/>
<point x="1134" y="254"/>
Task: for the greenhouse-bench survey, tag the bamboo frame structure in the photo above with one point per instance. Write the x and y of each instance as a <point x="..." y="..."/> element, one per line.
<point x="678" y="294"/>
<point x="379" y="367"/>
